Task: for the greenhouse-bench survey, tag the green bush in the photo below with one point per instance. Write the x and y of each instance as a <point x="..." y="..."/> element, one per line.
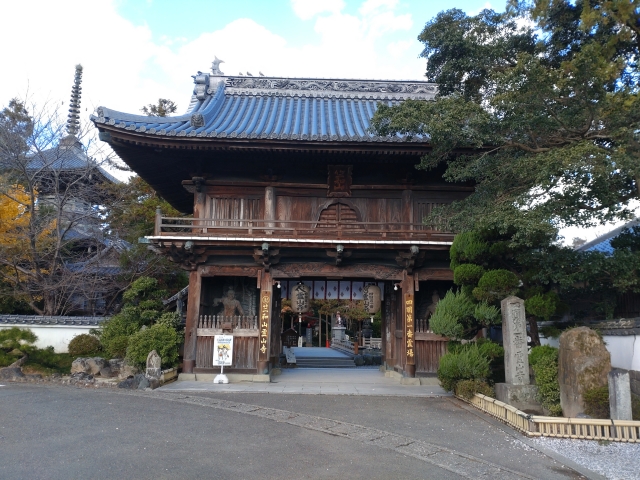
<point x="596" y="402"/>
<point x="161" y="338"/>
<point x="544" y="361"/>
<point x="542" y="305"/>
<point x="487" y="315"/>
<point x="84" y="345"/>
<point x="169" y="319"/>
<point x="114" y="333"/>
<point x="490" y="349"/>
<point x="635" y="407"/>
<point x="467" y="274"/>
<point x="468" y="388"/>
<point x="45" y="361"/>
<point x="495" y="285"/>
<point x="453" y="313"/>
<point x="467" y="364"/>
<point x="467" y="247"/>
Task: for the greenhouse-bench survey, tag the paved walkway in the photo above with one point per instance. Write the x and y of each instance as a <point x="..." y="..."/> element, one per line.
<point x="317" y="352"/>
<point x="319" y="381"/>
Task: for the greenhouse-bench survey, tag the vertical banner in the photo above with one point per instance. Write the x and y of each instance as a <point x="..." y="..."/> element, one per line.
<point x="409" y="329"/>
<point x="222" y="350"/>
<point x="265" y="317"/>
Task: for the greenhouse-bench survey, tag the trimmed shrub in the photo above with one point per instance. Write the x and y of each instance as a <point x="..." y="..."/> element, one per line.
<point x="114" y="333"/>
<point x="468" y="388"/>
<point x="161" y="338"/>
<point x="487" y="314"/>
<point x="84" y="345"/>
<point x="496" y="285"/>
<point x="169" y="319"/>
<point x="467" y="274"/>
<point x="467" y="247"/>
<point x="467" y="364"/>
<point x="544" y="361"/>
<point x="596" y="402"/>
<point x="542" y="305"/>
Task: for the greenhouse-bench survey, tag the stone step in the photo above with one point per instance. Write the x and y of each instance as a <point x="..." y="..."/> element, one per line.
<point x="325" y="363"/>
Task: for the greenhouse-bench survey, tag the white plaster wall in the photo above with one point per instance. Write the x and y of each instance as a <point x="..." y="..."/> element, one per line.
<point x="57" y="336"/>
<point x="554" y="342"/>
<point x="624" y="350"/>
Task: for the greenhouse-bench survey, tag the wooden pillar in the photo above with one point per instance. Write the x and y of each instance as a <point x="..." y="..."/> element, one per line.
<point x="407" y="209"/>
<point x="193" y="314"/>
<point x="408" y="314"/>
<point x="199" y="203"/>
<point x="266" y="293"/>
<point x="269" y="207"/>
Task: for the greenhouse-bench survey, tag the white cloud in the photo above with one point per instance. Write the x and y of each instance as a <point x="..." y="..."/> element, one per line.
<point x="307" y="9"/>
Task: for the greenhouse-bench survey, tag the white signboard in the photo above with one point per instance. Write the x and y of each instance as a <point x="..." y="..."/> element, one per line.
<point x="222" y="350"/>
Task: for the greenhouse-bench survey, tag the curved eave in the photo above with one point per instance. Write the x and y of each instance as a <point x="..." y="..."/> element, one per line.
<point x="140" y="139"/>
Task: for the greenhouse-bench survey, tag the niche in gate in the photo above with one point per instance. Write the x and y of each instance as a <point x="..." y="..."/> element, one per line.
<point x="229" y="296"/>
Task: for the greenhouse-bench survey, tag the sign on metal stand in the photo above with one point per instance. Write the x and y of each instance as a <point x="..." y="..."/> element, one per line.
<point x="222" y="355"/>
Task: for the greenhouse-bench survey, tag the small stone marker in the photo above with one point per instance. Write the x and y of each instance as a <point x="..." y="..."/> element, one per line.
<point x="516" y="390"/>
<point x="620" y="394"/>
<point x="153" y="365"/>
<point x="514" y="336"/>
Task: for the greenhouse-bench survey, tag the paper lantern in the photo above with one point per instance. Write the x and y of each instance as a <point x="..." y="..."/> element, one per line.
<point x="371" y="297"/>
<point x="300" y="298"/>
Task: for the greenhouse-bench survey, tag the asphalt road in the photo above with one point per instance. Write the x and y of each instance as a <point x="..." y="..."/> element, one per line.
<point x="61" y="432"/>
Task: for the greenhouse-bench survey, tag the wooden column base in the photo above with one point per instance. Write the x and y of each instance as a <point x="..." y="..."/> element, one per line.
<point x="263" y="368"/>
<point x="188" y="366"/>
<point x="410" y="370"/>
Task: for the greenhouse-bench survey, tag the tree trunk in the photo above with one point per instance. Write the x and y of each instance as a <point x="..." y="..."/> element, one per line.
<point x="533" y="331"/>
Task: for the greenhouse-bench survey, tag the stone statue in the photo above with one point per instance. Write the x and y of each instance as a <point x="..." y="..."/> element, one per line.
<point x="435" y="298"/>
<point x="230" y="304"/>
<point x="338" y="320"/>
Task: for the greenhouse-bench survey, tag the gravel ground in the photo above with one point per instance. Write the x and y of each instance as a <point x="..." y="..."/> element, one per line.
<point x="614" y="460"/>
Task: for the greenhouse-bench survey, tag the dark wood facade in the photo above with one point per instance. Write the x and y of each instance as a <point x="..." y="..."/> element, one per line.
<point x="267" y="209"/>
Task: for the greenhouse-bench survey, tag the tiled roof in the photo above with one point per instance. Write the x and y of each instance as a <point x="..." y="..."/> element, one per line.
<point x="66" y="158"/>
<point x="603" y="242"/>
<point x="49" y="320"/>
<point x="278" y="109"/>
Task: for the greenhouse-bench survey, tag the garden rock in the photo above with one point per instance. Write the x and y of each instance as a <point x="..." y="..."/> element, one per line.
<point x="79" y="365"/>
<point x="11" y="373"/>
<point x="106" y="372"/>
<point x="96" y="364"/>
<point x="144" y="383"/>
<point x="132" y="382"/>
<point x="583" y="364"/>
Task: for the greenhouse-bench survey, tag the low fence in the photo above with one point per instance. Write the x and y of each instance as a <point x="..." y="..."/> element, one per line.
<point x="249" y="322"/>
<point x="559" y="427"/>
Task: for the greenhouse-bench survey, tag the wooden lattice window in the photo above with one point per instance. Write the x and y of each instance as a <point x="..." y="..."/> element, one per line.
<point x="423" y="210"/>
<point x="234" y="210"/>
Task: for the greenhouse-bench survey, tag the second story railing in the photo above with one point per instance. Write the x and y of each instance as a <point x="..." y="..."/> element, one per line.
<point x="180" y="226"/>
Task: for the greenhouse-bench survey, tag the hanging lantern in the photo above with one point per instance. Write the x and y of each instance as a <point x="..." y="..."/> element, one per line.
<point x="300" y="298"/>
<point x="371" y="297"/>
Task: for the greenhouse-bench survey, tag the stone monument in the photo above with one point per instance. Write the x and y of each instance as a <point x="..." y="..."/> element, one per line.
<point x="153" y="366"/>
<point x="517" y="389"/>
<point x="583" y="364"/>
<point x="620" y="394"/>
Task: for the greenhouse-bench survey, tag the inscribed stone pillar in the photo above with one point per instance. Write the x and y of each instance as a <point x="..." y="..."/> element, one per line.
<point x="620" y="394"/>
<point x="514" y="336"/>
<point x="517" y="391"/>
<point x="191" y="324"/>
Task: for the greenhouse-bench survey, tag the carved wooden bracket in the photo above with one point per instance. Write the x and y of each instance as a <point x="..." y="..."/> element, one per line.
<point x="187" y="255"/>
<point x="411" y="259"/>
<point x="266" y="257"/>
<point x="338" y="255"/>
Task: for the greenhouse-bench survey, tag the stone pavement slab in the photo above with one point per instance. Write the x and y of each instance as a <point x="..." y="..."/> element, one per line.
<point x="319" y="381"/>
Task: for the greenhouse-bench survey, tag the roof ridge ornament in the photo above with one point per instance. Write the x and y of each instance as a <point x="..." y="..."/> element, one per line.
<point x="73" y="120"/>
<point x="215" y="67"/>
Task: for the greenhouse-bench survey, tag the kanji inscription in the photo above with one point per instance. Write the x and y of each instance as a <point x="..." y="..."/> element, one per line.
<point x="514" y="335"/>
<point x="265" y="316"/>
<point x="409" y="326"/>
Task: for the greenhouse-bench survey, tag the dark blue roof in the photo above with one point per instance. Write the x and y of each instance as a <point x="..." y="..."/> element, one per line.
<point x="603" y="242"/>
<point x="277" y="108"/>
